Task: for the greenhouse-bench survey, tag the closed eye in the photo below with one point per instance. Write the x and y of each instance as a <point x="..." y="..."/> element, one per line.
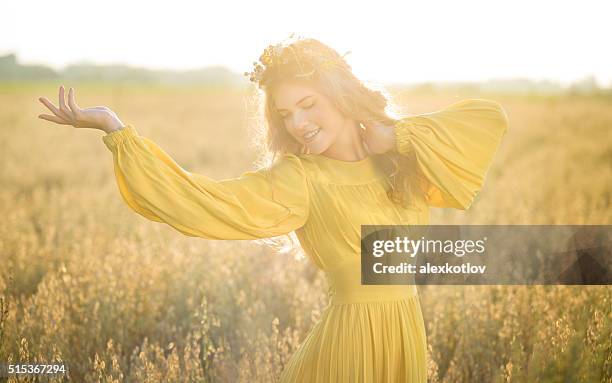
<point x="285" y="116"/>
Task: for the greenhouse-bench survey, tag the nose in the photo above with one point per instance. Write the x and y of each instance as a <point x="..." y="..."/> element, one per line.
<point x="299" y="122"/>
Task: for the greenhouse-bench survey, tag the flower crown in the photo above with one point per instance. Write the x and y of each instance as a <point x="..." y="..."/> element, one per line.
<point x="278" y="55"/>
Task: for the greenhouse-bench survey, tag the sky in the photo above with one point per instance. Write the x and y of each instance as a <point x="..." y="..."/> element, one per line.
<point x="390" y="41"/>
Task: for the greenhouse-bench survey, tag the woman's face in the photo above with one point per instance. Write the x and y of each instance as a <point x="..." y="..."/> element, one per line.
<point x="308" y="116"/>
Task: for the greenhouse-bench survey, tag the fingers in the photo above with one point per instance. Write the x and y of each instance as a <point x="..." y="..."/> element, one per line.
<point x="72" y="103"/>
<point x="45" y="101"/>
<point x="64" y="111"/>
<point x="58" y="118"/>
<point x="55" y="119"/>
<point x="63" y="115"/>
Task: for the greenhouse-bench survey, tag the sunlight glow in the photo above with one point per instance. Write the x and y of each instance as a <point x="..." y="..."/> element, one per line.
<point x="389" y="40"/>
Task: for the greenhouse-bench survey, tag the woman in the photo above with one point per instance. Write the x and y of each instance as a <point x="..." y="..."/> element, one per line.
<point x="342" y="163"/>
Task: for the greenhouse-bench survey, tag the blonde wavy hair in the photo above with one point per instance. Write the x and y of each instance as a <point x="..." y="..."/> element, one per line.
<point x="311" y="62"/>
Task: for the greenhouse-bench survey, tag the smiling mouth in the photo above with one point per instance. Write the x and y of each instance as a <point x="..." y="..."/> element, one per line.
<point x="311" y="135"/>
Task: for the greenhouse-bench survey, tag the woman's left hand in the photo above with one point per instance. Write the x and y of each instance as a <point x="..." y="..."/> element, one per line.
<point x="379" y="137"/>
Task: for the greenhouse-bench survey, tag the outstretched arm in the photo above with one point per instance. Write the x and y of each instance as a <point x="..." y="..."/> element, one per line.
<point x="258" y="204"/>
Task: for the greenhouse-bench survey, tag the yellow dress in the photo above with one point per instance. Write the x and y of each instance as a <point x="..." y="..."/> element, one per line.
<point x="366" y="333"/>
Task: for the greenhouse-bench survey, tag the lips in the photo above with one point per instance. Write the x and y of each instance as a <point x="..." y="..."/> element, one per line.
<point x="309" y="136"/>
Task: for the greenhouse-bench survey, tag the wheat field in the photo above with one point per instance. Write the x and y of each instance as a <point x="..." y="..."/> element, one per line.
<point x="85" y="280"/>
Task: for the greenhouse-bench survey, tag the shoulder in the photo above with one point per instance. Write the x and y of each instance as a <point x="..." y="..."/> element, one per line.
<point x="290" y="166"/>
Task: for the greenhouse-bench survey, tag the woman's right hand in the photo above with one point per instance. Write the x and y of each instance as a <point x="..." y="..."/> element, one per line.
<point x="98" y="117"/>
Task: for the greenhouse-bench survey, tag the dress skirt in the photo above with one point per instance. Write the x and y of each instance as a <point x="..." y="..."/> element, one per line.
<point x="363" y="342"/>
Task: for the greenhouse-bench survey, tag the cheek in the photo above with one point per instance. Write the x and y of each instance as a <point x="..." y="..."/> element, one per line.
<point x="312" y="117"/>
<point x="324" y="119"/>
<point x="329" y="118"/>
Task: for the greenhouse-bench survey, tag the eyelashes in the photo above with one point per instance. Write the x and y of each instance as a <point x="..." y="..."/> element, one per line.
<point x="306" y="107"/>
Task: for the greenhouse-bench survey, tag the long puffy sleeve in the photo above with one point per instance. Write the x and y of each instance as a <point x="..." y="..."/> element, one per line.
<point x="257" y="204"/>
<point x="454" y="148"/>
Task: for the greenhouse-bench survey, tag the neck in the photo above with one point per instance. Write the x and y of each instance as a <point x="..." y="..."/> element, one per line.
<point x="348" y="145"/>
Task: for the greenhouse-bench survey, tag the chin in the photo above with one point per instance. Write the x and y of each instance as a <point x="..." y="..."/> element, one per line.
<point x="317" y="148"/>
